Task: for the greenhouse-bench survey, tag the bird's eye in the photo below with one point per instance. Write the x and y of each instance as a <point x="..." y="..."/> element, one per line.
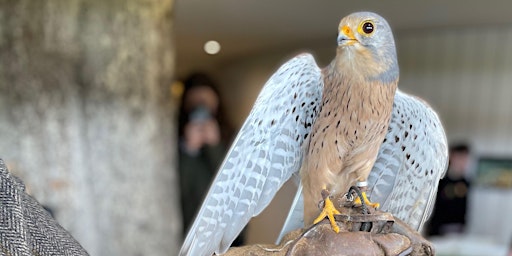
<point x="367" y="27"/>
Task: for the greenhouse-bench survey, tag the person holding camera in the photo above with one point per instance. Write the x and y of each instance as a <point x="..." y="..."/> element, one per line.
<point x="201" y="143"/>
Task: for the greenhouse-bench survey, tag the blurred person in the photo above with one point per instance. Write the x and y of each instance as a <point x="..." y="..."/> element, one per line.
<point x="200" y="147"/>
<point x="203" y="137"/>
<point x="449" y="214"/>
<point x="509" y="253"/>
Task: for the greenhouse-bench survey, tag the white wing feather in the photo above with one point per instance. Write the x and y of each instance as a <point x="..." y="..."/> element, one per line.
<point x="411" y="160"/>
<point x="265" y="153"/>
<point x="295" y="218"/>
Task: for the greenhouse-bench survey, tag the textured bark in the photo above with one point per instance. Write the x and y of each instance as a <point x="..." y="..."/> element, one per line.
<point x="86" y="118"/>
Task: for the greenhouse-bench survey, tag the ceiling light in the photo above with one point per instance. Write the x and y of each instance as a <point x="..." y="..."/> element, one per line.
<point x="212" y="47"/>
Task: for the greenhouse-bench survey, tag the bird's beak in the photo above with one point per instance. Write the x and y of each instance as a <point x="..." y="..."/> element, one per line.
<point x="346" y="36"/>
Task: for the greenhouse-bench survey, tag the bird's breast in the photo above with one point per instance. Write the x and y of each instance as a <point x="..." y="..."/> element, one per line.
<point x="346" y="135"/>
<point x="351" y="125"/>
<point x="354" y="113"/>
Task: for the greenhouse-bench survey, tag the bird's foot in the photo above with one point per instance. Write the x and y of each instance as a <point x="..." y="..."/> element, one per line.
<point x="328" y="211"/>
<point x="362" y="185"/>
<point x="366" y="201"/>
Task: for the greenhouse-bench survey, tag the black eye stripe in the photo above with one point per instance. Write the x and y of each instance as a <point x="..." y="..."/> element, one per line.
<point x="368" y="27"/>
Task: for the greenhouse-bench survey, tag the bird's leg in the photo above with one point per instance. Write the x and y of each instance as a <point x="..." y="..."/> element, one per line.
<point x="328" y="211"/>
<point x="363" y="185"/>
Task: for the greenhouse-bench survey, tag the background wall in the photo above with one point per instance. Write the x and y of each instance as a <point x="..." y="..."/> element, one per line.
<point x="466" y="74"/>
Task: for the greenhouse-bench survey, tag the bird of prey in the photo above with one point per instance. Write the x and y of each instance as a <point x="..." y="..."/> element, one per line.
<point x="338" y="126"/>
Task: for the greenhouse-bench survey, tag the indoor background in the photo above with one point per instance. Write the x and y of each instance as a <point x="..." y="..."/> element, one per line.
<point x="88" y="107"/>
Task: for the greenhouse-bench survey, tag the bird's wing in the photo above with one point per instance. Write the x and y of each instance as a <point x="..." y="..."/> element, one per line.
<point x="295" y="218"/>
<point x="265" y="153"/>
<point x="412" y="159"/>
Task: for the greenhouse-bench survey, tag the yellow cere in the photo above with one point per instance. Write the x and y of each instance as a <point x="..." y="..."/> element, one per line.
<point x="348" y="32"/>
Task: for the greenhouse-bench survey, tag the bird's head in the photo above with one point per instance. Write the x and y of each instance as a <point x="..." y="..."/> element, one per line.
<point x="365" y="40"/>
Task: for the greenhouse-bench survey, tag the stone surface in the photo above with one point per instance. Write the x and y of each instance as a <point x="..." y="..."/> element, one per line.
<point x="84" y="97"/>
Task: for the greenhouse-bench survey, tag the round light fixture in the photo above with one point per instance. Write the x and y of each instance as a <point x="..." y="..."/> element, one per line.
<point x="212" y="47"/>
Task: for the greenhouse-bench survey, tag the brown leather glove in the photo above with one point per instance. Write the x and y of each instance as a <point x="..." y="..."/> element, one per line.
<point x="386" y="236"/>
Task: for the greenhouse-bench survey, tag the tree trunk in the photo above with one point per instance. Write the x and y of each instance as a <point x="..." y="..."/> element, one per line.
<point x="86" y="118"/>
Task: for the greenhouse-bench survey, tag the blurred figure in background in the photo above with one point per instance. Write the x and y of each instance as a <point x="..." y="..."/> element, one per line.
<point x="203" y="137"/>
<point x="449" y="215"/>
<point x="200" y="147"/>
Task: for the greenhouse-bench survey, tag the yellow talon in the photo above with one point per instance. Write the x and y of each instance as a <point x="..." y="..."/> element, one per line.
<point x="328" y="211"/>
<point x="366" y="201"/>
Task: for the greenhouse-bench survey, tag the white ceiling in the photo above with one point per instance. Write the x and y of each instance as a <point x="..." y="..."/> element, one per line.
<point x="247" y="27"/>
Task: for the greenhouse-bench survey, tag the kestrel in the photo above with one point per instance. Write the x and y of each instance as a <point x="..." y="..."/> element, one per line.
<point x="340" y="126"/>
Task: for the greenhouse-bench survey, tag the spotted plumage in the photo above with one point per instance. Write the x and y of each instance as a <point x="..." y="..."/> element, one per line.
<point x="334" y="124"/>
<point x="266" y="152"/>
<point x="359" y="89"/>
<point x="411" y="160"/>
